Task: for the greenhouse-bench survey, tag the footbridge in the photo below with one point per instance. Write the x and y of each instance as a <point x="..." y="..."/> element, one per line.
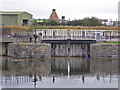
<point x="71" y="42"/>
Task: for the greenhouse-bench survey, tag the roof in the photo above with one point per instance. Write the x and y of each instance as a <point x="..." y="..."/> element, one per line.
<point x="11" y="12"/>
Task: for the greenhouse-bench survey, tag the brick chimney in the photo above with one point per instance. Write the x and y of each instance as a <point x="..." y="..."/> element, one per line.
<point x="63" y="18"/>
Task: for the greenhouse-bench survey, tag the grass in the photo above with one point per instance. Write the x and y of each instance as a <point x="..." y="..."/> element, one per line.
<point x="37" y="26"/>
<point x="112" y="42"/>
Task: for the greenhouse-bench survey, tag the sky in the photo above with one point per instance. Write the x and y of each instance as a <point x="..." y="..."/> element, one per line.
<point x="71" y="9"/>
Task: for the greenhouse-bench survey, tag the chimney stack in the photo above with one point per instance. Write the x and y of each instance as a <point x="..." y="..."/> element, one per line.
<point x="63" y="18"/>
<point x="53" y="10"/>
<point x="54" y="15"/>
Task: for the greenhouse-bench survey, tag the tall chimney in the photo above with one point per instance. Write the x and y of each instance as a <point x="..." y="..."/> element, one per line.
<point x="53" y="10"/>
<point x="54" y="15"/>
<point x="63" y="18"/>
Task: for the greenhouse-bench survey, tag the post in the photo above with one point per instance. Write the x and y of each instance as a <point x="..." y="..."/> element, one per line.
<point x="68" y="43"/>
<point x="30" y="39"/>
<point x="85" y="34"/>
<point x="40" y="36"/>
<point x="110" y="35"/>
<point x="95" y="35"/>
<point x="81" y="34"/>
<point x="6" y="49"/>
<point x="35" y="31"/>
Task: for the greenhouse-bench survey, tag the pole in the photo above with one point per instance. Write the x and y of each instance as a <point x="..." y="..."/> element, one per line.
<point x="35" y="31"/>
<point x="110" y="35"/>
<point x="68" y="43"/>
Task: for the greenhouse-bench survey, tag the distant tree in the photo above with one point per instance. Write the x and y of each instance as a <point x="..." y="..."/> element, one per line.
<point x="91" y="22"/>
<point x="62" y="23"/>
<point x="53" y="23"/>
<point x="87" y="22"/>
<point x="83" y="22"/>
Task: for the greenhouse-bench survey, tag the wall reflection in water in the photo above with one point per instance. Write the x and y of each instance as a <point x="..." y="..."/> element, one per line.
<point x="15" y="72"/>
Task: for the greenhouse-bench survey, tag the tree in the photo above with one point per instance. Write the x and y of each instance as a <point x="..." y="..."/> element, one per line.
<point x="91" y="22"/>
<point x="82" y="22"/>
<point x="53" y="22"/>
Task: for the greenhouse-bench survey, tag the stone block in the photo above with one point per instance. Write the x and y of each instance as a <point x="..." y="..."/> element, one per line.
<point x="29" y="50"/>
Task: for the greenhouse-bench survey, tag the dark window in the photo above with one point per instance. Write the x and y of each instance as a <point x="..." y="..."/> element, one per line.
<point x="25" y="22"/>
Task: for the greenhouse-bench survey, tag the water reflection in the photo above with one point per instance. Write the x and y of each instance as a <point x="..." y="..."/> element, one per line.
<point x="32" y="72"/>
<point x="70" y="67"/>
<point x="35" y="80"/>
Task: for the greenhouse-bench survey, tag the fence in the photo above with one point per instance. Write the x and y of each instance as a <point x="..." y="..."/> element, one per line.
<point x="77" y="34"/>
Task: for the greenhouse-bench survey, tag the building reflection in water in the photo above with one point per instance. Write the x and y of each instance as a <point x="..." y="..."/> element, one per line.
<point x="70" y="67"/>
<point x="21" y="72"/>
<point x="53" y="79"/>
<point x="83" y="79"/>
<point x="98" y="77"/>
<point x="35" y="80"/>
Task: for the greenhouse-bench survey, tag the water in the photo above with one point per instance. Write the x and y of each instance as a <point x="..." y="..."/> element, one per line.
<point x="59" y="73"/>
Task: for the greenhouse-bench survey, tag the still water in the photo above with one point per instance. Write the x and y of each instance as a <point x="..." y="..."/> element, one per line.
<point x="59" y="73"/>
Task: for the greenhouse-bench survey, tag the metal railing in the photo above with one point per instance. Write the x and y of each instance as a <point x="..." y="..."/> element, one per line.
<point x="78" y="34"/>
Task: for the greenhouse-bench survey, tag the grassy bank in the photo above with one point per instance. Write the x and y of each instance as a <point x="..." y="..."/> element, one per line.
<point x="15" y="29"/>
<point x="112" y="42"/>
<point x="37" y="26"/>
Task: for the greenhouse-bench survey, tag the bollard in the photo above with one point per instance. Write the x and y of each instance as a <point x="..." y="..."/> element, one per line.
<point x="86" y="56"/>
<point x="30" y="40"/>
<point x="35" y="38"/>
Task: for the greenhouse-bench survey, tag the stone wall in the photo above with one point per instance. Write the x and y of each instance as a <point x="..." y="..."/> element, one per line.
<point x="21" y="38"/>
<point x="29" y="50"/>
<point x="76" y="50"/>
<point x="104" y="50"/>
<point x="3" y="50"/>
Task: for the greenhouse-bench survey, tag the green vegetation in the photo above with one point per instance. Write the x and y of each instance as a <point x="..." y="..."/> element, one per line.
<point x="82" y="22"/>
<point x="86" y="22"/>
<point x="112" y="42"/>
<point x="36" y="19"/>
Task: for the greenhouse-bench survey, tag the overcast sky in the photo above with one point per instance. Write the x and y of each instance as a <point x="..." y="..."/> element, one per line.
<point x="73" y="9"/>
